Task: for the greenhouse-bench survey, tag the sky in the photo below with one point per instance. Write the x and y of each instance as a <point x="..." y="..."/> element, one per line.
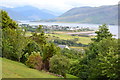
<point x="57" y="5"/>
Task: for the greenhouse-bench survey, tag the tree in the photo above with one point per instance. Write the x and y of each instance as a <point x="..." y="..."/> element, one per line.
<point x="49" y="50"/>
<point x="14" y="43"/>
<point x="106" y="63"/>
<point x="101" y="59"/>
<point x="39" y="29"/>
<point x="71" y="53"/>
<point x="80" y="68"/>
<point x="40" y="38"/>
<point x="13" y="40"/>
<point x="59" y="64"/>
<point x="98" y="53"/>
<point x="31" y="46"/>
<point x="7" y="21"/>
<point x="102" y="33"/>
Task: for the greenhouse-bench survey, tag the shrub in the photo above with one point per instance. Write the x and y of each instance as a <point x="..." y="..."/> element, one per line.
<point x="34" y="61"/>
<point x="59" y="65"/>
<point x="31" y="46"/>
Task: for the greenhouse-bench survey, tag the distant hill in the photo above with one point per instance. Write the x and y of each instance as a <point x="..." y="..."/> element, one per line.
<point x="28" y="13"/>
<point x="96" y="15"/>
<point x="13" y="14"/>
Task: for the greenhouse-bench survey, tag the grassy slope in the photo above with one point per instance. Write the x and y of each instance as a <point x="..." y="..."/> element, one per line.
<point x="12" y="69"/>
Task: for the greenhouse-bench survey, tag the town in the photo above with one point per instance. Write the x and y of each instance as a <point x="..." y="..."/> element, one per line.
<point x="57" y="28"/>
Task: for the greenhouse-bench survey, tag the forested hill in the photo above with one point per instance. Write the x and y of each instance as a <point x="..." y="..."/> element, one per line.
<point x="97" y="15"/>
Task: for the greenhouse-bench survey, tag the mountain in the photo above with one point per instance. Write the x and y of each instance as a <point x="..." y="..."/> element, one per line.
<point x="28" y="13"/>
<point x="13" y="14"/>
<point x="95" y="15"/>
<point x="56" y="13"/>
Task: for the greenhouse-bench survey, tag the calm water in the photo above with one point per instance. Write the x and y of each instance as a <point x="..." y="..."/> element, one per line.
<point x="113" y="28"/>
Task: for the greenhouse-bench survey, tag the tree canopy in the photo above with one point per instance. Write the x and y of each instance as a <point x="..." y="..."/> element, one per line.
<point x="6" y="21"/>
<point x="102" y="33"/>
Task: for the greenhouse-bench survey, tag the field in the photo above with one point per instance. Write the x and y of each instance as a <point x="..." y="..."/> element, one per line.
<point x="83" y="40"/>
<point x="77" y="48"/>
<point x="65" y="36"/>
<point x="12" y="69"/>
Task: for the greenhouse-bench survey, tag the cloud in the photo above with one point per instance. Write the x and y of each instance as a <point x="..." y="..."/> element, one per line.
<point x="60" y="5"/>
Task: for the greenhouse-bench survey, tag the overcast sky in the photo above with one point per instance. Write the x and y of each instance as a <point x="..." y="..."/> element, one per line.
<point x="59" y="5"/>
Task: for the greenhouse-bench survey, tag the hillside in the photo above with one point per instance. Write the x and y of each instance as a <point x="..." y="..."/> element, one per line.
<point x="12" y="69"/>
<point x="96" y="15"/>
<point x="28" y="13"/>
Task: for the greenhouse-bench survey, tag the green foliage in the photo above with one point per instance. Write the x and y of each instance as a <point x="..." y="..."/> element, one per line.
<point x="106" y="63"/>
<point x="39" y="29"/>
<point x="13" y="43"/>
<point x="59" y="65"/>
<point x="71" y="54"/>
<point x="13" y="40"/>
<point x="80" y="68"/>
<point x="49" y="50"/>
<point x="102" y="33"/>
<point x="40" y="38"/>
<point x="31" y="46"/>
<point x="101" y="59"/>
<point x="7" y="21"/>
<point x="35" y="61"/>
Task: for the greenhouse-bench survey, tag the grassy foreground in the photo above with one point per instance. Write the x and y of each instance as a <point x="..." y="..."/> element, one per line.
<point x="12" y="69"/>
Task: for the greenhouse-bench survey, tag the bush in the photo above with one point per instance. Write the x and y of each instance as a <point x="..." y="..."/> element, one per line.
<point x="35" y="61"/>
<point x="31" y="46"/>
<point x="59" y="65"/>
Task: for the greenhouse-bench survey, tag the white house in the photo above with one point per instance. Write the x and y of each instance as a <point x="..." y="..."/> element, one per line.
<point x="63" y="46"/>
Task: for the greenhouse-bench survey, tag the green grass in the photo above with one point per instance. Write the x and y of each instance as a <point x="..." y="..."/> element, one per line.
<point x="70" y="76"/>
<point x="83" y="40"/>
<point x="77" y="48"/>
<point x="12" y="69"/>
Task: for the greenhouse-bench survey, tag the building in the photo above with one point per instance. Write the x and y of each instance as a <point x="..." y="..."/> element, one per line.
<point x="63" y="46"/>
